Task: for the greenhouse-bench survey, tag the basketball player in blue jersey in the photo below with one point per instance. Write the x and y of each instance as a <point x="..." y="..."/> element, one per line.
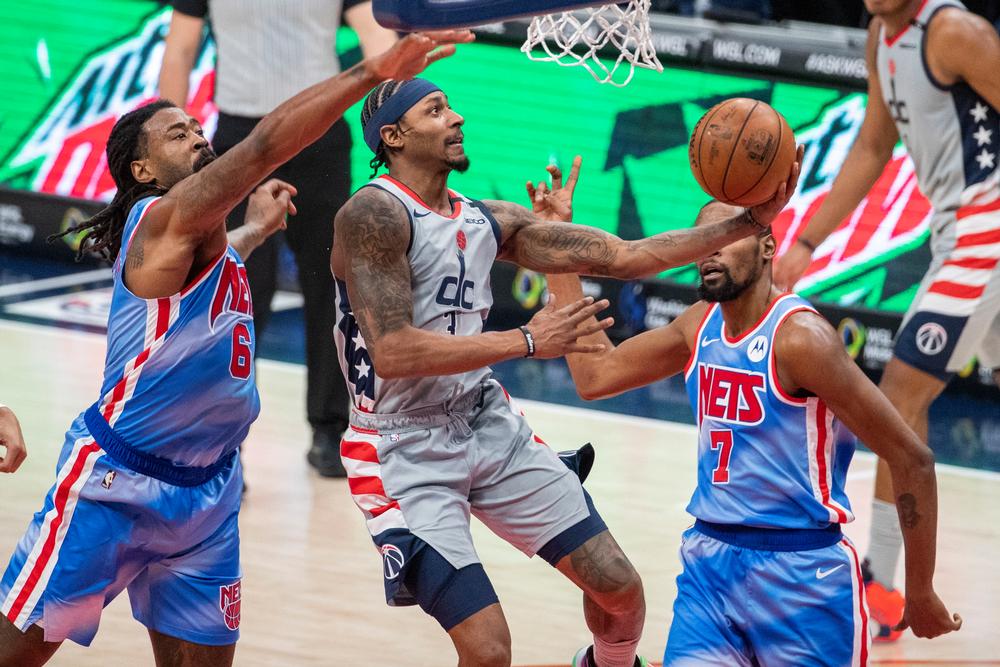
<point x="148" y="482"/>
<point x="12" y="441"/>
<point x="932" y="82"/>
<point x="768" y="578"/>
<point x="433" y="437"/>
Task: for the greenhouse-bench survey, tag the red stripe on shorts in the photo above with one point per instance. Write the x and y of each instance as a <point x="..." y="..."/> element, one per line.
<point x="956" y="290"/>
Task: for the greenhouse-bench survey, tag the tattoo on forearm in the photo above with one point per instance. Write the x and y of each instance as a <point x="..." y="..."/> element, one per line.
<point x="908" y="515"/>
<point x="562" y="248"/>
<point x="375" y="239"/>
<point x="576" y="249"/>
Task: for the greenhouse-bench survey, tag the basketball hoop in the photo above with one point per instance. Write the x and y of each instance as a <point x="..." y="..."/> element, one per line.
<point x="575" y="38"/>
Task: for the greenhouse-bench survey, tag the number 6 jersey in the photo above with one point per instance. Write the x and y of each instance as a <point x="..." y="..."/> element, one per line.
<point x="179" y="376"/>
<point x="765" y="459"/>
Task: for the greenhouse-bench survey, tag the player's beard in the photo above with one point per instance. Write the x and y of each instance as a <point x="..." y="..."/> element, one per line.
<point x="729" y="289"/>
<point x="459" y="164"/>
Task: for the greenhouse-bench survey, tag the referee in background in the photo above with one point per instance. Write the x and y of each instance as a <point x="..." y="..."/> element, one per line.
<point x="268" y="51"/>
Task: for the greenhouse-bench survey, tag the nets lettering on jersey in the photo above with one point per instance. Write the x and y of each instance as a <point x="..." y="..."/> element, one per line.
<point x="576" y="38"/>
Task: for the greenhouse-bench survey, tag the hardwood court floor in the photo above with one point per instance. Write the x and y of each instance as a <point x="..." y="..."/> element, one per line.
<point x="312" y="592"/>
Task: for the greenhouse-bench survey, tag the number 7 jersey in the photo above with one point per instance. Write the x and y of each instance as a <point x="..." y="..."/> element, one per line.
<point x="765" y="458"/>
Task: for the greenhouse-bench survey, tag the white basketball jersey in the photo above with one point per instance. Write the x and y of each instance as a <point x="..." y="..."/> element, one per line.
<point x="951" y="132"/>
<point x="450" y="261"/>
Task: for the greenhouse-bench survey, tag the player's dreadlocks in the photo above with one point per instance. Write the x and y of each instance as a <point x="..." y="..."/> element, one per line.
<point x="126" y="144"/>
<point x="376" y="99"/>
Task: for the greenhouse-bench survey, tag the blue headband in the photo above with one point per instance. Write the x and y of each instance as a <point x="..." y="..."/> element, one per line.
<point x="409" y="93"/>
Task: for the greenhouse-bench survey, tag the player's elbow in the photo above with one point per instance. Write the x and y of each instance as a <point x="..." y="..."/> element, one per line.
<point x="914" y="457"/>
<point x="590" y="388"/>
<point x="392" y="358"/>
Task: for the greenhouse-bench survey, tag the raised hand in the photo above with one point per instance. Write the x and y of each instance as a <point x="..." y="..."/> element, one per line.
<point x="12" y="441"/>
<point x="927" y="616"/>
<point x="555" y="204"/>
<point x="268" y="207"/>
<point x="414" y="53"/>
<point x="765" y="213"/>
<point x="556" y="330"/>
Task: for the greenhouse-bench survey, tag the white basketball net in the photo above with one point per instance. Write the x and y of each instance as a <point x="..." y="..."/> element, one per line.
<point x="575" y="38"/>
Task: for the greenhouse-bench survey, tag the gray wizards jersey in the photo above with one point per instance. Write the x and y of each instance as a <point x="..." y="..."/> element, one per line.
<point x="450" y="260"/>
<point x="951" y="133"/>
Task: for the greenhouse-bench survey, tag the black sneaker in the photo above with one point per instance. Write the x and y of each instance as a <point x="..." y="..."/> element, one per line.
<point x="324" y="455"/>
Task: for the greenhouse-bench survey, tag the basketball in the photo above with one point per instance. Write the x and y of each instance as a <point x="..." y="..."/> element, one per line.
<point x="741" y="151"/>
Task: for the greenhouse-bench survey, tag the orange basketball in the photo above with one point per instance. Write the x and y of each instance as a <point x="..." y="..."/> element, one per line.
<point x="741" y="151"/>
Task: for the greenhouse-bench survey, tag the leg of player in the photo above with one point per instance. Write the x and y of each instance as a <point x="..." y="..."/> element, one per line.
<point x="911" y="391"/>
<point x="173" y="652"/>
<point x="24" y="649"/>
<point x="483" y="639"/>
<point x="613" y="601"/>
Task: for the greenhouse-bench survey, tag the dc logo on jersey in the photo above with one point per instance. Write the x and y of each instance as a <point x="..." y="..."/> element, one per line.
<point x="232" y="295"/>
<point x="392" y="560"/>
<point x="230" y="598"/>
<point x="730" y="395"/>
<point x="931" y="338"/>
<point x="108" y="479"/>
<point x="456" y="291"/>
<point x="757" y="349"/>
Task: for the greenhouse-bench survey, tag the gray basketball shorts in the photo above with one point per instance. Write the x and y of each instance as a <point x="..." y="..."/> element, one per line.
<point x="417" y="476"/>
<point x="955" y="315"/>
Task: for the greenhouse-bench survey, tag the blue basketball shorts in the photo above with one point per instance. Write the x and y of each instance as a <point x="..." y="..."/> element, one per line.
<point x="742" y="607"/>
<point x="104" y="528"/>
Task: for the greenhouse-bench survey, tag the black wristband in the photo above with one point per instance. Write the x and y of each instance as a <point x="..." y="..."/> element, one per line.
<point x="530" y="340"/>
<point x="808" y="244"/>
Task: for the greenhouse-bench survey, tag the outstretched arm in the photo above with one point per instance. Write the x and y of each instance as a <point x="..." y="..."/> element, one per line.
<point x="811" y="357"/>
<point x="198" y="204"/>
<point x="559" y="247"/>
<point x="370" y="240"/>
<point x="640" y="360"/>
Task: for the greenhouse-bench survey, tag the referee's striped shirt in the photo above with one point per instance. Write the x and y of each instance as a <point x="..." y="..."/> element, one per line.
<point x="268" y="50"/>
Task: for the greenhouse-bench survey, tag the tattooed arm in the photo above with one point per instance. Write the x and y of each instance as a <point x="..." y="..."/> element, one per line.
<point x="560" y="247"/>
<point x="810" y="358"/>
<point x="372" y="232"/>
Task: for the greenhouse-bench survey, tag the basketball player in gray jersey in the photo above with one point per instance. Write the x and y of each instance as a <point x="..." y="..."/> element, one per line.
<point x="433" y="437"/>
<point x="933" y="83"/>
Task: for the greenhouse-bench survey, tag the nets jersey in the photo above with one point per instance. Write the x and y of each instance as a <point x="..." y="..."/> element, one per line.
<point x="765" y="459"/>
<point x="179" y="374"/>
<point x="951" y="132"/>
<point x="450" y="260"/>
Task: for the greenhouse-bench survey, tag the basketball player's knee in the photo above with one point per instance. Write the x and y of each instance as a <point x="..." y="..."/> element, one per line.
<point x="621" y="590"/>
<point x="488" y="652"/>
